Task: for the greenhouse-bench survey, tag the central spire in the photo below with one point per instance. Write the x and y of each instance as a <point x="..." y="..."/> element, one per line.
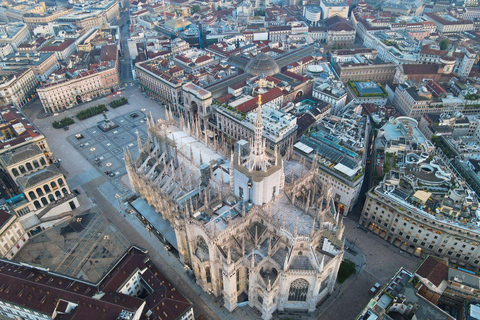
<point x="258" y="143"/>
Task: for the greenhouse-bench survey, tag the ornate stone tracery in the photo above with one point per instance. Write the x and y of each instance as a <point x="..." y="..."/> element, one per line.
<point x="257" y="229"/>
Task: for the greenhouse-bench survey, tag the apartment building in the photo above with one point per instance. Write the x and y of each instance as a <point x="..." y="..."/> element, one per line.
<point x="36" y="19"/>
<point x="332" y="92"/>
<point x="464" y="58"/>
<point x="421" y="206"/>
<point x="12" y="234"/>
<point x="158" y="83"/>
<point x="338" y="143"/>
<point x="365" y="71"/>
<point x="14" y="34"/>
<point x="18" y="89"/>
<point x="64" y="94"/>
<point x="279" y="127"/>
<point x="17" y="131"/>
<point x="42" y="64"/>
<point x="30" y="292"/>
<point x="449" y="24"/>
<point x="62" y="49"/>
<point x="407" y="226"/>
<point x="84" y="20"/>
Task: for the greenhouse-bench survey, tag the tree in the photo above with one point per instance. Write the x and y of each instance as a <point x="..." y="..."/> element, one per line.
<point x="195" y="8"/>
<point x="219" y="8"/>
<point x="347" y="268"/>
<point x="444" y="44"/>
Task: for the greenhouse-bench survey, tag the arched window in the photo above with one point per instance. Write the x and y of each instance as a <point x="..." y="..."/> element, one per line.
<point x="32" y="195"/>
<point x="37" y="204"/>
<point x="298" y="290"/>
<point x="44" y="201"/>
<point x="60" y="182"/>
<point x="22" y="169"/>
<point x="202" y="251"/>
<point x="35" y="163"/>
<point x="51" y="198"/>
<point x="42" y="161"/>
<point x="29" y="166"/>
<point x="15" y="172"/>
<point x="53" y="185"/>
<point x="58" y="194"/>
<point x="64" y="191"/>
<point x="46" y="188"/>
<point x="39" y="192"/>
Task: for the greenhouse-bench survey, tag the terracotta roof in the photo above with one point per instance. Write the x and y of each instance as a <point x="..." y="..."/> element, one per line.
<point x="334" y="20"/>
<point x="342" y="26"/>
<point x="225" y="98"/>
<point x="435" y="270"/>
<point x="4" y="217"/>
<point x="108" y="53"/>
<point x="419" y="68"/>
<point x="46" y="292"/>
<point x="64" y="45"/>
<point x="203" y="58"/>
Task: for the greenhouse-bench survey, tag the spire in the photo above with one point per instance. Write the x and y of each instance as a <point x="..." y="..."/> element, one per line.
<point x="206" y="197"/>
<point x="256" y="236"/>
<point x="295" y="234"/>
<point x="312" y="232"/>
<point x="243" y="208"/>
<point x="229" y="255"/>
<point x="232" y="179"/>
<point x="270" y="246"/>
<point x="243" y="246"/>
<point x="269" y="287"/>
<point x="139" y="142"/>
<point x="253" y="259"/>
<point x="257" y="147"/>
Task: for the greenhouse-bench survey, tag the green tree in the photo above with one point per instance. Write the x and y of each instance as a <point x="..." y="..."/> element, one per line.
<point x="219" y="8"/>
<point x="444" y="44"/>
<point x="347" y="268"/>
<point x="195" y="8"/>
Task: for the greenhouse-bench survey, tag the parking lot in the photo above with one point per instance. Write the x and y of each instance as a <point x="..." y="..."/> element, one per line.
<point x="104" y="150"/>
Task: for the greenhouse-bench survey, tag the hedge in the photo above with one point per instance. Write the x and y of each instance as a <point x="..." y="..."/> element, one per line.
<point x="90" y="112"/>
<point x="62" y="123"/>
<point x="118" y="103"/>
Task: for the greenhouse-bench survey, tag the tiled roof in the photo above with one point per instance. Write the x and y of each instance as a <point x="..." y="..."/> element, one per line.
<point x="434" y="270"/>
<point x="64" y="45"/>
<point x="420" y="68"/>
<point x="21" y="154"/>
<point x="4" y="217"/>
<point x="47" y="292"/>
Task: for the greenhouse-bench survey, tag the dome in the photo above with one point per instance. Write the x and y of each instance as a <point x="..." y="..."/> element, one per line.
<point x="262" y="64"/>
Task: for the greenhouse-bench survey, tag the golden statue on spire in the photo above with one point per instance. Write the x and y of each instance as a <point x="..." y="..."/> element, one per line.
<point x="259" y="100"/>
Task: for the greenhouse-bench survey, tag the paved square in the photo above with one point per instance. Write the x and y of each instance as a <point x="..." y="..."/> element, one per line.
<point x="107" y="147"/>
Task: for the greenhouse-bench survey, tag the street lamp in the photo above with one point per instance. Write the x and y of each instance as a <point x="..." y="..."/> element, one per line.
<point x="93" y="150"/>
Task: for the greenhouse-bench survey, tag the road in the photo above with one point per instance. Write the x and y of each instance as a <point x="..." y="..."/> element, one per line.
<point x="126" y="64"/>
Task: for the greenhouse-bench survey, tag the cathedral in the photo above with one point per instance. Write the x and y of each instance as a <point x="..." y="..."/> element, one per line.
<point x="256" y="228"/>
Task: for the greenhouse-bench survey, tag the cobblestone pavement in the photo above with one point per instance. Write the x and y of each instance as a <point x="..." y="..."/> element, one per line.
<point x="382" y="262"/>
